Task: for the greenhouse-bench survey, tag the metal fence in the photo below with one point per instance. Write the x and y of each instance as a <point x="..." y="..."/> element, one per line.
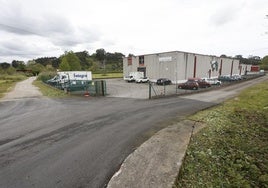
<point x="157" y="91"/>
<point x="92" y="88"/>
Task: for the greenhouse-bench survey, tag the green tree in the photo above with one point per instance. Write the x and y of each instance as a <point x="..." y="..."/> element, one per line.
<point x="264" y="63"/>
<point x="64" y="65"/>
<point x="18" y="64"/>
<point x="36" y="68"/>
<point x="4" y="65"/>
<point x="94" y="66"/>
<point x="70" y="61"/>
<point x="83" y="57"/>
<point x="45" y="60"/>
<point x="100" y="54"/>
<point x="56" y="63"/>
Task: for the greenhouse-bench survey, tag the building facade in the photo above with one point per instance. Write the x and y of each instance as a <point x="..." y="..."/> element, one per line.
<point x="179" y="66"/>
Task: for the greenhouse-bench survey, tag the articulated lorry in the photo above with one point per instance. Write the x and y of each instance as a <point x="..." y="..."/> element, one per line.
<point x="66" y="78"/>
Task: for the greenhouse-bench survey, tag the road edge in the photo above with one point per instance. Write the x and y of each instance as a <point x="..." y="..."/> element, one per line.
<point x="157" y="161"/>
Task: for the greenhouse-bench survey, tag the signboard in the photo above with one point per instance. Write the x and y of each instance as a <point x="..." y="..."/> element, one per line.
<point x="165" y="59"/>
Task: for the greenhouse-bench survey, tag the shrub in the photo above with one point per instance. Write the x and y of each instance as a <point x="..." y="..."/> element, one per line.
<point x="44" y="76"/>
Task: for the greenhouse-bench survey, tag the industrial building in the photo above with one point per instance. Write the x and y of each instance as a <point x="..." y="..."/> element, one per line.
<point x="179" y="66"/>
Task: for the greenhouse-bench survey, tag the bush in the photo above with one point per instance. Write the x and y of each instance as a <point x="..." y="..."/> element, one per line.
<point x="44" y="76"/>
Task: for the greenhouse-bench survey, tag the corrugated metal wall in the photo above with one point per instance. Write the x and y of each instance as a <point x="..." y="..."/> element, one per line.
<point x="182" y="65"/>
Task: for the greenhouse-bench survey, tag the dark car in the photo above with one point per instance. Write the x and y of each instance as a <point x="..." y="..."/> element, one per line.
<point x="226" y="78"/>
<point x="202" y="83"/>
<point x="190" y="84"/>
<point x="163" y="81"/>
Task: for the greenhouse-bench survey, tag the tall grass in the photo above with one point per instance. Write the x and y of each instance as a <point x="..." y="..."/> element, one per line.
<point x="48" y="90"/>
<point x="7" y="82"/>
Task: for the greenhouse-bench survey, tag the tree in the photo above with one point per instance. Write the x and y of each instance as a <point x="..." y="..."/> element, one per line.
<point x="36" y="68"/>
<point x="84" y="59"/>
<point x="45" y="60"/>
<point x="131" y="55"/>
<point x="64" y="65"/>
<point x="251" y="60"/>
<point x="115" y="61"/>
<point x="264" y="63"/>
<point x="4" y="65"/>
<point x="55" y="63"/>
<point x="101" y="56"/>
<point x="70" y="61"/>
<point x="254" y="60"/>
<point x="239" y="57"/>
<point x="18" y="64"/>
<point x="94" y="67"/>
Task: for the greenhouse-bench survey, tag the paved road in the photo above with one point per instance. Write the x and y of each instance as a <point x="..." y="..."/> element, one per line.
<point x="79" y="142"/>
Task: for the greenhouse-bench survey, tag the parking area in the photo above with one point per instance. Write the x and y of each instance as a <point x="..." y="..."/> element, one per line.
<point x="120" y="88"/>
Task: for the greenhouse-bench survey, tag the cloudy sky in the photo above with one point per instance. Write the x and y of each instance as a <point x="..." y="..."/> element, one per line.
<point x="43" y="28"/>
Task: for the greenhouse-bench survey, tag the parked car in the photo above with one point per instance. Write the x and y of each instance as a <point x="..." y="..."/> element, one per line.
<point x="226" y="79"/>
<point x="163" y="81"/>
<point x="142" y="80"/>
<point x="236" y="77"/>
<point x="212" y="81"/>
<point x="189" y="84"/>
<point x="201" y="83"/>
<point x="129" y="79"/>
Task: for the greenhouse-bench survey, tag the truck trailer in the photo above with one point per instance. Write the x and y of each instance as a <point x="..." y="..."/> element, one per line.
<point x="65" y="79"/>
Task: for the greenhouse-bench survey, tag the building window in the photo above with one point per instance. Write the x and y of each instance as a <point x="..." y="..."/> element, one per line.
<point x="141" y="60"/>
<point x="129" y="60"/>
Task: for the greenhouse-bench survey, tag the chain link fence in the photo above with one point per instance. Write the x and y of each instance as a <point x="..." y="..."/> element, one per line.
<point x="92" y="88"/>
<point x="157" y="91"/>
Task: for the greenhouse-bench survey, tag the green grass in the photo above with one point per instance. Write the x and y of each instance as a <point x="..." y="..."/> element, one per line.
<point x="7" y="82"/>
<point x="232" y="150"/>
<point x="107" y="75"/>
<point x="49" y="91"/>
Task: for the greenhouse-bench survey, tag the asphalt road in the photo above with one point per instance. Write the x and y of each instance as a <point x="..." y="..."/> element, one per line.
<point x="81" y="142"/>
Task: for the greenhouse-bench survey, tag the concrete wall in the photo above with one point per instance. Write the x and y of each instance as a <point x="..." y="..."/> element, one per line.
<point x="182" y="65"/>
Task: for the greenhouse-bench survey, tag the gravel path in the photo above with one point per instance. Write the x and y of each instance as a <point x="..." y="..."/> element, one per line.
<point x="23" y="89"/>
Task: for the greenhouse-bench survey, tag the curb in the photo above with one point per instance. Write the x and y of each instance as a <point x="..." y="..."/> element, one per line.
<point x="157" y="161"/>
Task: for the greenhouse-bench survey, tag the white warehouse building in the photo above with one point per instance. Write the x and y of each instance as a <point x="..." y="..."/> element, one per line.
<point x="179" y="66"/>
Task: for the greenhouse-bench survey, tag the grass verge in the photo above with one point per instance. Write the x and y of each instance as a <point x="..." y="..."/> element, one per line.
<point x="7" y="82"/>
<point x="232" y="150"/>
<point x="49" y="91"/>
<point x="107" y="75"/>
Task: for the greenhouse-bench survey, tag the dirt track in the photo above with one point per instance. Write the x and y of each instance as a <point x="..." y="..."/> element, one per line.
<point x="23" y="89"/>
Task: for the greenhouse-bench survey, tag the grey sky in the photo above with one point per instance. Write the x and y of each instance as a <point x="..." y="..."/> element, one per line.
<point x="38" y="28"/>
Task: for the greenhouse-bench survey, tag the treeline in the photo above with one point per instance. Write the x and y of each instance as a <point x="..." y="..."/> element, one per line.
<point x="251" y="60"/>
<point x="98" y="62"/>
